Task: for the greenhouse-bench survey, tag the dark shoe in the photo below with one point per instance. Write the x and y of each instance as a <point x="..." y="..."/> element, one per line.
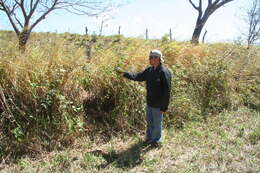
<point x="147" y="141"/>
<point x="156" y="144"/>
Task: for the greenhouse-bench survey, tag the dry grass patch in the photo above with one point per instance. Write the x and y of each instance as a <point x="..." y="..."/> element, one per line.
<point x="220" y="144"/>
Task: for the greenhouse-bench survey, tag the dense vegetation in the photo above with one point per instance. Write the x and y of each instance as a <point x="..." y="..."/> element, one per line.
<point x="52" y="93"/>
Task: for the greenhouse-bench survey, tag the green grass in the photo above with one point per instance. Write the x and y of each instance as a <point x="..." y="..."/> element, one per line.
<point x="215" y="145"/>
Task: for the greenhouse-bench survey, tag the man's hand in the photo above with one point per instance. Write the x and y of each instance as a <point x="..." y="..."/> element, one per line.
<point x="119" y="71"/>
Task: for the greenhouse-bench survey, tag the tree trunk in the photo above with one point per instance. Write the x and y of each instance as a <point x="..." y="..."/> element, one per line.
<point x="197" y="31"/>
<point x="23" y="38"/>
<point x="248" y="45"/>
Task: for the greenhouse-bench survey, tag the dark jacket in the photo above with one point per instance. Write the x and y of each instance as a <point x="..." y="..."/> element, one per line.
<point x="158" y="85"/>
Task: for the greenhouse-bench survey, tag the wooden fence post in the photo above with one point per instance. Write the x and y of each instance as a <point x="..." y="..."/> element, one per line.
<point x="86" y="30"/>
<point x="146" y="34"/>
<point x="170" y="34"/>
<point x="119" y="30"/>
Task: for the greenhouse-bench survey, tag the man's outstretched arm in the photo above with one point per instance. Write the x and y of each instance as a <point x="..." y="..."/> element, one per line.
<point x="141" y="76"/>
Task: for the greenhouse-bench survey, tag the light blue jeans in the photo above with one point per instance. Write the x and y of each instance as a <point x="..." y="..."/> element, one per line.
<point x="154" y="119"/>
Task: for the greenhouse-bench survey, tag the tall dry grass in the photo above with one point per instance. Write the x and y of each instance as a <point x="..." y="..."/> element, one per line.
<point x="52" y="93"/>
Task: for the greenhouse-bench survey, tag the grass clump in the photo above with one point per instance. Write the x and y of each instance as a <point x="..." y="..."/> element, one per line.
<point x="254" y="137"/>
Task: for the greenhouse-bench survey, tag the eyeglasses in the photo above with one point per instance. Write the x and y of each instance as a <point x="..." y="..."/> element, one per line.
<point x="153" y="57"/>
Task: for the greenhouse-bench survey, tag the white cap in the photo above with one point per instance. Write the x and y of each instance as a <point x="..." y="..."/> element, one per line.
<point x="157" y="53"/>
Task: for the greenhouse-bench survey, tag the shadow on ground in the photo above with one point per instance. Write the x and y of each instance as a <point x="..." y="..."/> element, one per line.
<point x="129" y="158"/>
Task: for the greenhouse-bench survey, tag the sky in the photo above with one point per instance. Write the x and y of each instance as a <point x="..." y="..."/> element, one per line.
<point x="158" y="16"/>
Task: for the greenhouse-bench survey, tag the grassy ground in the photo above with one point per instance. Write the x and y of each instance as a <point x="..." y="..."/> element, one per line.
<point x="228" y="142"/>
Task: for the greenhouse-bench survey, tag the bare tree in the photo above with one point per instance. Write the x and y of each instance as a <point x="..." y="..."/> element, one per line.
<point x="104" y="19"/>
<point x="24" y="15"/>
<point x="203" y="16"/>
<point x="252" y="20"/>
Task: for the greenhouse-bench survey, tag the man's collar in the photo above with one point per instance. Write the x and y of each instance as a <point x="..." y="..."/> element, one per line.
<point x="159" y="66"/>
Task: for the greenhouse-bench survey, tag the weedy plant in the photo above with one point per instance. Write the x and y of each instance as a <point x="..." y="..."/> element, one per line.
<point x="52" y="93"/>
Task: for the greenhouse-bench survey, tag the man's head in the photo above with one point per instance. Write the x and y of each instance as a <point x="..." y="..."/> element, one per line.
<point x="155" y="57"/>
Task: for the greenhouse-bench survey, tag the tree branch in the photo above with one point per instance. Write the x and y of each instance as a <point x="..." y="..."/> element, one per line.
<point x="21" y="4"/>
<point x="79" y="7"/>
<point x="215" y="5"/>
<point x="1" y="5"/>
<point x="13" y="8"/>
<point x="31" y="5"/>
<point x="7" y="11"/>
<point x="17" y="20"/>
<point x="222" y="3"/>
<point x="33" y="8"/>
<point x="44" y="15"/>
<point x="216" y="2"/>
<point x="198" y="8"/>
<point x="194" y="6"/>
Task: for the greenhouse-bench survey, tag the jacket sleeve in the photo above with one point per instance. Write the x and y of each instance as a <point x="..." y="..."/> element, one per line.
<point x="141" y="76"/>
<point x="166" y="85"/>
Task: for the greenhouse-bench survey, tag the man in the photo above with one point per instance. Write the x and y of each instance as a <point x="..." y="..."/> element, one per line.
<point x="158" y="87"/>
